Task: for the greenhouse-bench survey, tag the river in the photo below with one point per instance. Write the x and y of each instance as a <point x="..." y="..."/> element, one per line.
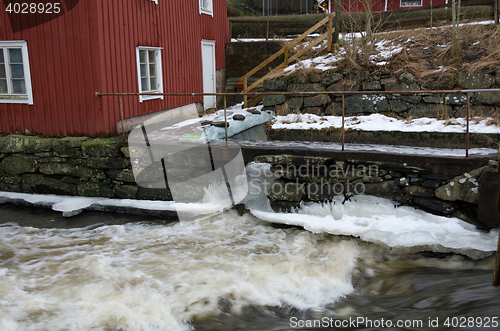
<point x="111" y="272"/>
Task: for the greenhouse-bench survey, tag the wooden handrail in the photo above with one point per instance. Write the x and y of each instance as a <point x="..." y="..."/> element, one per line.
<point x="289" y="45"/>
<point x="293" y="58"/>
<point x="328" y="19"/>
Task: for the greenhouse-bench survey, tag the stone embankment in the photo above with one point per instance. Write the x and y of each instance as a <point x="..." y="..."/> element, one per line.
<point x="319" y="179"/>
<point x="75" y="166"/>
<point x="430" y="104"/>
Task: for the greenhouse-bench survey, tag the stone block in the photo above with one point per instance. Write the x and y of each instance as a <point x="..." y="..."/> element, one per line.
<point x="464" y="187"/>
<point x="488" y="98"/>
<point x="100" y="147"/>
<point x="162" y="194"/>
<point x="108" y="162"/>
<point x="275" y="85"/>
<point x="475" y="81"/>
<point x="18" y="164"/>
<point x="286" y="191"/>
<point x="125" y="191"/>
<point x="317" y="100"/>
<point x="24" y="144"/>
<point x="94" y="190"/>
<point x="372" y="86"/>
<point x="419" y="191"/>
<point x="273" y="100"/>
<point x="331" y="79"/>
<point x="406" y="78"/>
<point x="398" y="106"/>
<point x="435" y="205"/>
<point x="34" y="183"/>
<point x="70" y="170"/>
<point x="439" y="85"/>
<point x="456" y="99"/>
<point x="312" y="110"/>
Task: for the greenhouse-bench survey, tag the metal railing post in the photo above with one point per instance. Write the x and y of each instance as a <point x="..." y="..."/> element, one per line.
<point x="245" y="89"/>
<point x="343" y="119"/>
<point x="330" y="33"/>
<point x="121" y="115"/>
<point x="225" y="116"/>
<point x="467" y="130"/>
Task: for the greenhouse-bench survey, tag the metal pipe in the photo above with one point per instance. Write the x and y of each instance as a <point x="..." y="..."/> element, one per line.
<point x="121" y="114"/>
<point x="225" y="117"/>
<point x="496" y="270"/>
<point x="343" y="118"/>
<point x="467" y="130"/>
<point x="99" y="94"/>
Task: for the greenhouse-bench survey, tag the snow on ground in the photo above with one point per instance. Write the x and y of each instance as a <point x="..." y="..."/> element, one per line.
<point x="379" y="122"/>
<point x="383" y="49"/>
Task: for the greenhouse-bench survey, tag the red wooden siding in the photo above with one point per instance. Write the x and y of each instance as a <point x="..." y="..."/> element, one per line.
<point x="92" y="48"/>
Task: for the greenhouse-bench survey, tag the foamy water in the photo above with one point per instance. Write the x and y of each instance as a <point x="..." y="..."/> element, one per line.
<point x="155" y="277"/>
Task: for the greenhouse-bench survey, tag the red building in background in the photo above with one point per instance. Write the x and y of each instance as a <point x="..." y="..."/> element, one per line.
<point x="54" y="57"/>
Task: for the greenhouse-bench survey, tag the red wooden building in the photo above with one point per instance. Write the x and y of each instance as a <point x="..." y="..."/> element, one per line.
<point x="54" y="57"/>
<point x="384" y="5"/>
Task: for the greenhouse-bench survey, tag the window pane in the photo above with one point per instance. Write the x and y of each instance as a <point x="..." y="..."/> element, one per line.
<point x="1" y="56"/>
<point x="144" y="84"/>
<point x="17" y="70"/>
<point x="15" y="55"/>
<point x="152" y="57"/>
<point x="142" y="56"/>
<point x="3" y="86"/>
<point x="153" y="83"/>
<point x="2" y="71"/>
<point x="144" y="70"/>
<point x="18" y="86"/>
<point x="152" y="70"/>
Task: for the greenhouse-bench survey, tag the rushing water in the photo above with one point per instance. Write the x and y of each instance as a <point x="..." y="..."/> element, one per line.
<point x="227" y="272"/>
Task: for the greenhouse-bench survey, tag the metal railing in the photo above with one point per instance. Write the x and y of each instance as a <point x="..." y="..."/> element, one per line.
<point x="467" y="92"/>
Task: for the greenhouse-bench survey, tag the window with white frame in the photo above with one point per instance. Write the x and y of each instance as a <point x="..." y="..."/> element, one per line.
<point x="15" y="77"/>
<point x="149" y="72"/>
<point x="411" y="3"/>
<point x="206" y="7"/>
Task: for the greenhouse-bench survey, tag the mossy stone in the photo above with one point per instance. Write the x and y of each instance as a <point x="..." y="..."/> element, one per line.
<point x="91" y="189"/>
<point x="100" y="147"/>
<point x="71" y="170"/>
<point x="18" y="164"/>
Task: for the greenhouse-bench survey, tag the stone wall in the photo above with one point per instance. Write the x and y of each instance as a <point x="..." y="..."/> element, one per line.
<point x="76" y="166"/>
<point x="434" y="105"/>
<point x="318" y="179"/>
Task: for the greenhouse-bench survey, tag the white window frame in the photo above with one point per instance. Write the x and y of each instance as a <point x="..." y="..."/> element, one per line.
<point x="155" y="1"/>
<point x="403" y="6"/>
<point x="207" y="10"/>
<point x="17" y="98"/>
<point x="159" y="75"/>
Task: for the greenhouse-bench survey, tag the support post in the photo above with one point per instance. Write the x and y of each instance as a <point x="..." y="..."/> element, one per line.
<point x="495" y="9"/>
<point x="343" y="118"/>
<point x="467" y="132"/>
<point x="121" y="115"/>
<point x="245" y="89"/>
<point x="330" y="33"/>
<point x="496" y="270"/>
<point x="225" y="117"/>
<point x="286" y="56"/>
<point x="267" y="31"/>
<point x="431" y="13"/>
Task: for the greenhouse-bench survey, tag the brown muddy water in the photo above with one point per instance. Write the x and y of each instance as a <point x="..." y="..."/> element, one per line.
<point x="99" y="271"/>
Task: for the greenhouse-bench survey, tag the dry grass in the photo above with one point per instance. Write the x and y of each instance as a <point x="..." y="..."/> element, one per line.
<point x="426" y="52"/>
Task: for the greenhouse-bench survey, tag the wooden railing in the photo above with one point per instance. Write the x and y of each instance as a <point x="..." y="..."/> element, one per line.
<point x="328" y="35"/>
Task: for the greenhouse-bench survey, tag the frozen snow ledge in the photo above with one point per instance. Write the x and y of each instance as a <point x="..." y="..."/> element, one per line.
<point x="71" y="206"/>
<point x="380" y="221"/>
